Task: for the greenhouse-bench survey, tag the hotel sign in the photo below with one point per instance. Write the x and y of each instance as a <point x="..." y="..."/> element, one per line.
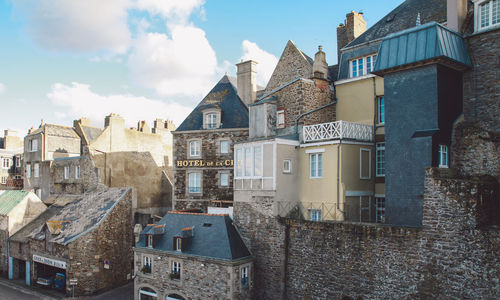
<point x="50" y="262"/>
<point x="204" y="163"/>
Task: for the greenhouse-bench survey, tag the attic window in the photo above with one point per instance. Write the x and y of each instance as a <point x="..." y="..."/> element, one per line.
<point x="178" y="244"/>
<point x="207" y="225"/>
<point x="149" y="241"/>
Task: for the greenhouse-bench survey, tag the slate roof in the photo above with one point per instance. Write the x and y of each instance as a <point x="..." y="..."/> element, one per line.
<point x="56" y="130"/>
<point x="213" y="236"/>
<point x="23" y="235"/>
<point x="91" y="133"/>
<point x="10" y="199"/>
<point x="1" y="143"/>
<point x="333" y="72"/>
<point x="84" y="213"/>
<point x="421" y="43"/>
<point x="225" y="97"/>
<point x="403" y="17"/>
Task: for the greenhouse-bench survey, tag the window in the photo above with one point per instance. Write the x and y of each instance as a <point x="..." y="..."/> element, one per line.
<point x="146" y="293"/>
<point x="194" y="148"/>
<point x="36" y="170"/>
<point x="5" y="163"/>
<point x="224" y="147"/>
<point x="287" y="166"/>
<point x="244" y="276"/>
<point x="211" y="121"/>
<point x="149" y="240"/>
<point x="487" y="14"/>
<point x="316" y="165"/>
<point x="18" y="161"/>
<point x="4" y="180"/>
<point x="380" y="160"/>
<point x="365" y="163"/>
<point x="443" y="156"/>
<point x="146" y="265"/>
<point x="315" y="215"/>
<point x="362" y="66"/>
<point x="249" y="161"/>
<point x="280" y="119"/>
<point x="38" y="192"/>
<point x="380" y="210"/>
<point x="33" y="145"/>
<point x="224" y="179"/>
<point x="28" y="171"/>
<point x="66" y="172"/>
<point x="176" y="270"/>
<point x="194" y="182"/>
<point x="178" y="244"/>
<point x="380" y="110"/>
<point x="77" y="172"/>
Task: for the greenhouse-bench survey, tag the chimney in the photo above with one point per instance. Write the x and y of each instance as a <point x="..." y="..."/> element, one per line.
<point x="354" y="25"/>
<point x="82" y="122"/>
<point x="247" y="81"/>
<point x="456" y="11"/>
<point x="115" y="120"/>
<point x="320" y="67"/>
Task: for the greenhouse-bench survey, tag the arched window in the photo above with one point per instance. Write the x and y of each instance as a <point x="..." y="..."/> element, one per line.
<point x="174" y="297"/>
<point x="146" y="293"/>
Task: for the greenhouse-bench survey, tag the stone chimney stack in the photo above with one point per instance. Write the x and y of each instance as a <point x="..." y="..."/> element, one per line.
<point x="114" y="120"/>
<point x="320" y="67"/>
<point x="247" y="81"/>
<point x="354" y="25"/>
<point x="456" y="11"/>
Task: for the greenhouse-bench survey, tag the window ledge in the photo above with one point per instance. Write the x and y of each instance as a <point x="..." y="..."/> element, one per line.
<point x="485" y="30"/>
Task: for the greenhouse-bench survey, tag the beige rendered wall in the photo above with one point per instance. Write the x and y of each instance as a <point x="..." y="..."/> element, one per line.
<point x="286" y="184"/>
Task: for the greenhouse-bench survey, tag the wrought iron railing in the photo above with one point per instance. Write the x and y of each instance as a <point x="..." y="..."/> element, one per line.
<point x="337" y="130"/>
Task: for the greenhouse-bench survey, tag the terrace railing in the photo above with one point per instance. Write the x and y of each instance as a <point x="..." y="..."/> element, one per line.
<point x="337" y="130"/>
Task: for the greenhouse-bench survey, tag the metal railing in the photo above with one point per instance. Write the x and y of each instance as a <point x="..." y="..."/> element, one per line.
<point x="337" y="130"/>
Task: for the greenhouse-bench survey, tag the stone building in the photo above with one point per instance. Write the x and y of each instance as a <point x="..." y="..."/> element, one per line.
<point x="203" y="146"/>
<point x="11" y="156"/>
<point x="192" y="256"/>
<point x="88" y="238"/>
<point x="17" y="208"/>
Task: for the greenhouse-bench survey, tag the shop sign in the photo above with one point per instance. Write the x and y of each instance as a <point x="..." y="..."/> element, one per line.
<point x="204" y="163"/>
<point x="50" y="262"/>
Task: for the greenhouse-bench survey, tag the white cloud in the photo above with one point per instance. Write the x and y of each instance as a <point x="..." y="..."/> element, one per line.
<point x="2" y="87"/>
<point x="266" y="61"/>
<point x="80" y="26"/>
<point x="176" y="11"/>
<point x="181" y="63"/>
<point x="77" y="100"/>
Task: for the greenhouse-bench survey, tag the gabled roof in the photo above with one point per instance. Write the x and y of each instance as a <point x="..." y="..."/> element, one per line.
<point x="91" y="133"/>
<point x="419" y="44"/>
<point x="23" y="235"/>
<point x="10" y="199"/>
<point x="56" y="130"/>
<point x="213" y="236"/>
<point x="234" y="113"/>
<point x="403" y="17"/>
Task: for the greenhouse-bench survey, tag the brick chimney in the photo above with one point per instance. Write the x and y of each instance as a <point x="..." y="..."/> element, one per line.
<point x="247" y="81"/>
<point x="320" y="67"/>
<point x="354" y="25"/>
<point x="456" y="11"/>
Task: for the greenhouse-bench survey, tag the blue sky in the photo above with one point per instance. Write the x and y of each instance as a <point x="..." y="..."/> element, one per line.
<point x="61" y="60"/>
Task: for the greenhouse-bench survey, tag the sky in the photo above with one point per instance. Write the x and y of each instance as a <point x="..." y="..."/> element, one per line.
<point x="61" y="60"/>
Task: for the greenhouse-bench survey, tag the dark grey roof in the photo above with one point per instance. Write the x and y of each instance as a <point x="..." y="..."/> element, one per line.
<point x="421" y="43"/>
<point x="1" y="143"/>
<point x="91" y="132"/>
<point x="23" y="235"/>
<point x="403" y="17"/>
<point x="333" y="72"/>
<point x="225" y="97"/>
<point x="213" y="236"/>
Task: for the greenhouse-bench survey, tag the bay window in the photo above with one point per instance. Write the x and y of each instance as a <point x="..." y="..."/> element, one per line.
<point x="248" y="161"/>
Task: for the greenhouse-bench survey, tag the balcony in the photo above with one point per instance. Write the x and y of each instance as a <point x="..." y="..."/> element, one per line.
<point x="336" y="131"/>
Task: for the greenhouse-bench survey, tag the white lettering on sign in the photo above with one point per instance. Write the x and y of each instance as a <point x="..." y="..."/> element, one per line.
<point x="50" y="262"/>
<point x="73" y="281"/>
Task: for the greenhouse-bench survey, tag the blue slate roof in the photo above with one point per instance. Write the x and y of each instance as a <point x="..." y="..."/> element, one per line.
<point x="212" y="236"/>
<point x="223" y="96"/>
<point x="421" y="43"/>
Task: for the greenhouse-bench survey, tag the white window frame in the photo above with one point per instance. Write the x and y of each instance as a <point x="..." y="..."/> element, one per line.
<point x="194" y="148"/>
<point x="148" y="261"/>
<point x="361" y="150"/>
<point x="444" y="156"/>
<point x="367" y="62"/>
<point x="28" y="170"/>
<point x="18" y="161"/>
<point x="211" y="120"/>
<point x="245" y="274"/>
<point x="315" y="215"/>
<point x="221" y="181"/>
<point x="6" y="163"/>
<point x="36" y="170"/>
<point x="315" y="158"/>
<point x="4" y="180"/>
<point x="225" y="149"/>
<point x="178" y="244"/>
<point x="33" y="145"/>
<point x="287" y="166"/>
<point x="380" y="148"/>
<point x="478" y="14"/>
<point x="192" y="187"/>
<point x="77" y="172"/>
<point x="142" y="292"/>
<point x="149" y="238"/>
<point x="379" y="209"/>
<point x="280" y="118"/>
<point x="249" y="171"/>
<point x="176" y="267"/>
<point x="66" y="172"/>
<point x="380" y="110"/>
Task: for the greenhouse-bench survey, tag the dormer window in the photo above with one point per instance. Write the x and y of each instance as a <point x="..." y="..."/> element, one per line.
<point x="487" y="14"/>
<point x="178" y="244"/>
<point x="211" y="119"/>
<point x="149" y="240"/>
<point x="362" y="65"/>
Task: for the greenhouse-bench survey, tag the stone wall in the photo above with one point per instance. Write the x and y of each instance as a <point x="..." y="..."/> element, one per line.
<point x="210" y="152"/>
<point x="201" y="278"/>
<point x="88" y="178"/>
<point x="4" y="235"/>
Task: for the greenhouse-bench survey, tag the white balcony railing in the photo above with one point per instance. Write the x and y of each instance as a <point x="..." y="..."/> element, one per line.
<point x="337" y="130"/>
